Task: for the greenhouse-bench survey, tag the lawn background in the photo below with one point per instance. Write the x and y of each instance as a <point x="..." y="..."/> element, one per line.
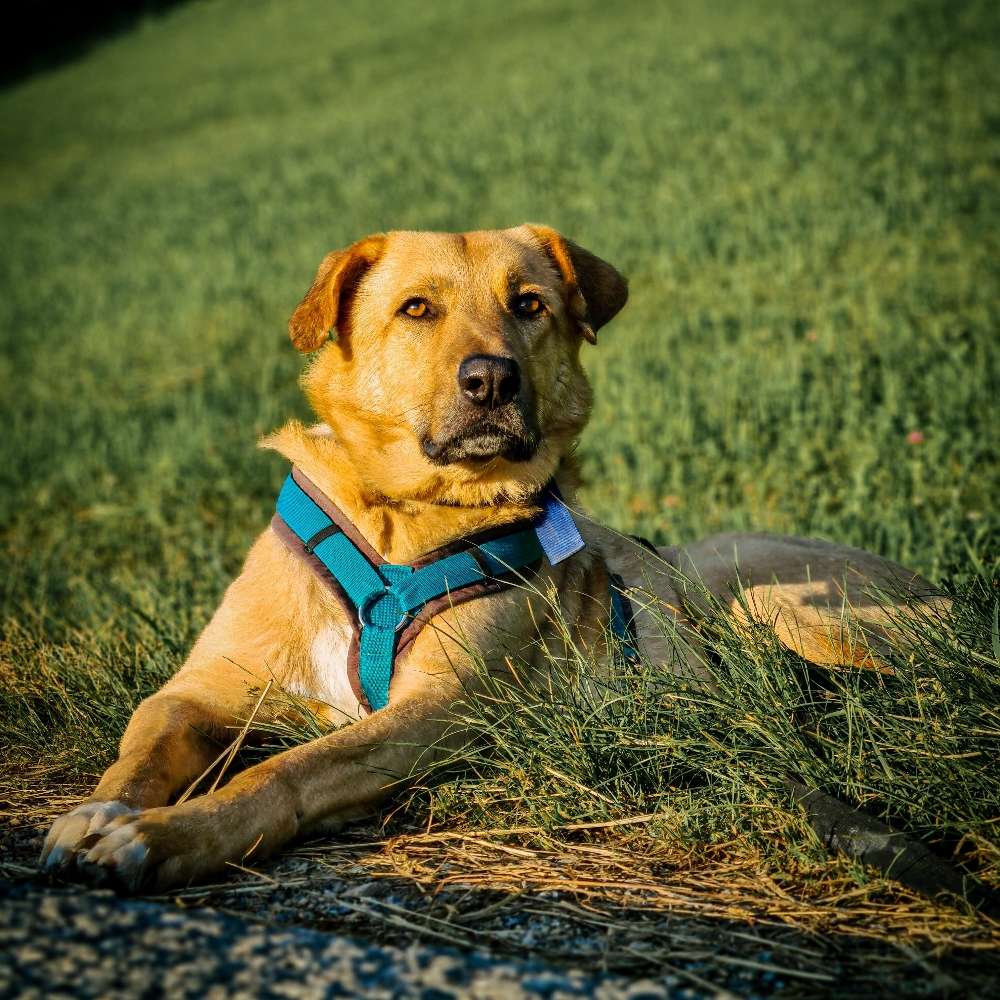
<point x="803" y="195"/>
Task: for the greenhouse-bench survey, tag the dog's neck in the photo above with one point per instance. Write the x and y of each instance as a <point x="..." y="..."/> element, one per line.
<point x="400" y="530"/>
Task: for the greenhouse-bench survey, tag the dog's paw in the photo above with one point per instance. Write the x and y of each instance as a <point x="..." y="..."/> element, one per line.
<point x="160" y="848"/>
<point x="121" y="855"/>
<point x="164" y="847"/>
<point x="70" y="831"/>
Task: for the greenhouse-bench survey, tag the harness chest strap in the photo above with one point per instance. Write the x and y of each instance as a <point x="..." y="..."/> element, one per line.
<point x="389" y="603"/>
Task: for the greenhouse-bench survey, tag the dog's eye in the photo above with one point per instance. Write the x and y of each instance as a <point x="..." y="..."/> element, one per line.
<point x="527" y="305"/>
<point x="417" y="308"/>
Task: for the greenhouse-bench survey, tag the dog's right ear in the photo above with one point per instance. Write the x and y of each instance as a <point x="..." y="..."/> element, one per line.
<point x="327" y="305"/>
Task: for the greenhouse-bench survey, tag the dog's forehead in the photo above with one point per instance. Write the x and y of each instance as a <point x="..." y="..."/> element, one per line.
<point x="492" y="257"/>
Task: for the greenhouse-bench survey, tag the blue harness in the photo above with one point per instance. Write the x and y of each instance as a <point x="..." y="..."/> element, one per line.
<point x="390" y="603"/>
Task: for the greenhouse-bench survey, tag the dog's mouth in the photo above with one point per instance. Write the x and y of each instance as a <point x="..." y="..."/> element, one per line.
<point x="496" y="435"/>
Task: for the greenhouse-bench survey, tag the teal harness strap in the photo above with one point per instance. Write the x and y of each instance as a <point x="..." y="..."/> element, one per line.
<point x="385" y="598"/>
<point x="623" y="621"/>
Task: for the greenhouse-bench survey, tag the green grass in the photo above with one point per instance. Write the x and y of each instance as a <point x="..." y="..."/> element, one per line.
<point x="803" y="195"/>
<point x="915" y="747"/>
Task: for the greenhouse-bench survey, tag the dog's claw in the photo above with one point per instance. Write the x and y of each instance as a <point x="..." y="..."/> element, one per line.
<point x="55" y="859"/>
<point x="76" y="830"/>
<point x="121" y="849"/>
<point x="97" y="876"/>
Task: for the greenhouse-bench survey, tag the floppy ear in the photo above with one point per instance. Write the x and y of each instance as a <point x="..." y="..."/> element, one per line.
<point x="595" y="291"/>
<point x="326" y="306"/>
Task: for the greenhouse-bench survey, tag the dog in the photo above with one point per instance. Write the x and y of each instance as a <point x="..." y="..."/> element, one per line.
<point x="446" y="377"/>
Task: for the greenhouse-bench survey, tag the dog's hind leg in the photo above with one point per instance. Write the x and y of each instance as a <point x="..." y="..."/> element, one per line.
<point x="831" y="604"/>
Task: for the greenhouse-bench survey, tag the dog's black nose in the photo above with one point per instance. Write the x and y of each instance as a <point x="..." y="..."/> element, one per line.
<point x="489" y="380"/>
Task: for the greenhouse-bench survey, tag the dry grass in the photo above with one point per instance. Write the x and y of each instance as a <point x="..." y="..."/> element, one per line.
<point x="607" y="875"/>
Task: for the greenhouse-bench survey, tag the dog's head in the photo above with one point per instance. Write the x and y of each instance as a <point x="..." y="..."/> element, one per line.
<point x="448" y="364"/>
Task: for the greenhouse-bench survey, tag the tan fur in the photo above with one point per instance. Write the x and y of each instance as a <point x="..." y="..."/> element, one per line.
<point x="383" y="386"/>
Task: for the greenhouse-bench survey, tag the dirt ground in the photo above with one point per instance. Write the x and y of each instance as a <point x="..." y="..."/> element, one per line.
<point x="297" y="927"/>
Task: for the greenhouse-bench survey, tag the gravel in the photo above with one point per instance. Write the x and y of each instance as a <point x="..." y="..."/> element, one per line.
<point x="69" y="943"/>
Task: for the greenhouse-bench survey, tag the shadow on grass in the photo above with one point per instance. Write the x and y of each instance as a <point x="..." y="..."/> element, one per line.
<point x="45" y="36"/>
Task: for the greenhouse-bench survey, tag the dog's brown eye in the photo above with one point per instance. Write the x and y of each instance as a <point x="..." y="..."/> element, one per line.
<point x="527" y="305"/>
<point x="415" y="308"/>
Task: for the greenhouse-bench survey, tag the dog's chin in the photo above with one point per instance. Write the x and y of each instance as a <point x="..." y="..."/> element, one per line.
<point x="482" y="445"/>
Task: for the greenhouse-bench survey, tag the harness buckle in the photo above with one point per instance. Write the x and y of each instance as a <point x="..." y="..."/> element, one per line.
<point x="368" y="605"/>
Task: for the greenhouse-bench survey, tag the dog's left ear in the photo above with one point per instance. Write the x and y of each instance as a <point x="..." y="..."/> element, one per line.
<point x="595" y="291"/>
<point x="326" y="306"/>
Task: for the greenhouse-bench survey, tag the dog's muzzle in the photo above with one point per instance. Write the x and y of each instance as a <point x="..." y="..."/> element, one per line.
<point x="504" y="433"/>
<point x="491" y="416"/>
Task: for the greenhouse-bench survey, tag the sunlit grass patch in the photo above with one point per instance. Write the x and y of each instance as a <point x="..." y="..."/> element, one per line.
<point x="804" y="197"/>
<point x="634" y="790"/>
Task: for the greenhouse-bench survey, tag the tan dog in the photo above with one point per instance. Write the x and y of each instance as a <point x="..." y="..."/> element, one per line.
<point x="451" y="394"/>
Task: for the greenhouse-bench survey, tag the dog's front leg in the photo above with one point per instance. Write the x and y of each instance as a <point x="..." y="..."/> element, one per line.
<point x="168" y="742"/>
<point x="323" y="783"/>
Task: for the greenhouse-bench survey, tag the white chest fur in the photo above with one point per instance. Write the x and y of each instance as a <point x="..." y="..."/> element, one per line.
<point x="330" y="683"/>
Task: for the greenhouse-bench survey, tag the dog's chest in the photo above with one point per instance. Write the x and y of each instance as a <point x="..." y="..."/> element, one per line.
<point x="330" y="683"/>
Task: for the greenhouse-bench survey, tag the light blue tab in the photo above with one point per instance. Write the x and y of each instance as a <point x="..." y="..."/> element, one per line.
<point x="556" y="530"/>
